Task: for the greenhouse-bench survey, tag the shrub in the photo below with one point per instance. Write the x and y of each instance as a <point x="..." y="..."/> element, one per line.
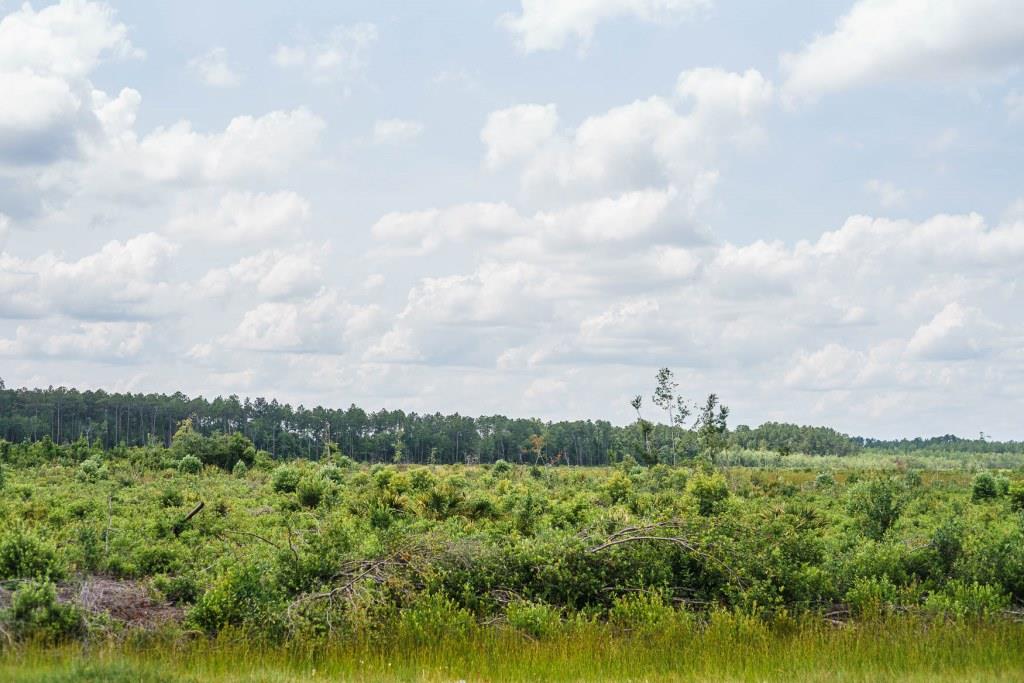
<point x="709" y="490"/>
<point x="501" y="467"/>
<point x="433" y="618"/>
<point x="176" y="590"/>
<point x="171" y="497"/>
<point x="190" y="464"/>
<point x="533" y="618"/>
<point x="285" y="479"/>
<point x="310" y="490"/>
<point x="1016" y="493"/>
<point x="92" y="469"/>
<point x="824" y="481"/>
<point x="242" y="595"/>
<point x="24" y="556"/>
<point x="36" y="615"/>
<point x="984" y="487"/>
<point x="644" y="613"/>
<point x="240" y="469"/>
<point x="877" y="504"/>
<point x="872" y="596"/>
<point x="962" y="600"/>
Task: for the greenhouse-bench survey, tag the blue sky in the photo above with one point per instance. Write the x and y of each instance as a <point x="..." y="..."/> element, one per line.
<point x="812" y="209"/>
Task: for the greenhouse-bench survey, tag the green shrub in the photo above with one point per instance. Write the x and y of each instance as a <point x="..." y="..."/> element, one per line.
<point x="23" y="555"/>
<point x="190" y="464"/>
<point x="501" y="467"/>
<point x="872" y="596"/>
<point x="285" y="479"/>
<point x="36" y="615"/>
<point x="877" y="504"/>
<point x="240" y="470"/>
<point x="92" y="469"/>
<point x="535" y="619"/>
<point x="177" y="590"/>
<point x="171" y="497"/>
<point x="824" y="481"/>
<point x="434" y="618"/>
<point x="643" y="613"/>
<point x="708" y="490"/>
<point x="310" y="490"/>
<point x="962" y="600"/>
<point x="984" y="487"/>
<point x="244" y="595"/>
<point x="1016" y="494"/>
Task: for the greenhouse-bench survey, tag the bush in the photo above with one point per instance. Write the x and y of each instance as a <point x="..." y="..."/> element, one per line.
<point x="24" y="556"/>
<point x="501" y="467"/>
<point x="310" y="490"/>
<point x="190" y="464"/>
<point x="962" y="600"/>
<point x="872" y="596"/>
<point x="877" y="504"/>
<point x="240" y="469"/>
<point x="36" y="615"/>
<point x="535" y="619"/>
<point x="824" y="481"/>
<point x="176" y="590"/>
<point x="709" y="490"/>
<point x="285" y="479"/>
<point x="984" y="487"/>
<point x="92" y="469"/>
<point x="244" y="595"/>
<point x="1016" y="493"/>
<point x="434" y="618"/>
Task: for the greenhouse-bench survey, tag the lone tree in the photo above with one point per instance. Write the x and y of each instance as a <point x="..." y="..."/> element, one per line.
<point x="644" y="426"/>
<point x="712" y="427"/>
<point x="675" y="407"/>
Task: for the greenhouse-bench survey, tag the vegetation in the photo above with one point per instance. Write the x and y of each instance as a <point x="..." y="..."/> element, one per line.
<point x="168" y="559"/>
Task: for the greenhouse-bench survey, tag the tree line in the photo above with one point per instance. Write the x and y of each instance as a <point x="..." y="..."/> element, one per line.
<point x="110" y="419"/>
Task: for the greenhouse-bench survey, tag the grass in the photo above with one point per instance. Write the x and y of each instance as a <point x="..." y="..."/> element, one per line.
<point x="729" y="648"/>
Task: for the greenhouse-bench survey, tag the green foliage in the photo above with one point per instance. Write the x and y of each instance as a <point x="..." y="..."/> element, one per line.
<point x="242" y="596"/>
<point x="35" y="614"/>
<point x="23" y="555"/>
<point x="286" y="478"/>
<point x="92" y="469"/>
<point x="984" y="487"/>
<point x="709" y="491"/>
<point x="190" y="464"/>
<point x="240" y="470"/>
<point x="962" y="600"/>
<point x="535" y="619"/>
<point x="310" y="490"/>
<point x="877" y="504"/>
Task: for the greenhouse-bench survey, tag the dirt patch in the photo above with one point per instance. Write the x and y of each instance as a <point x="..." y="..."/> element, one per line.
<point x="130" y="602"/>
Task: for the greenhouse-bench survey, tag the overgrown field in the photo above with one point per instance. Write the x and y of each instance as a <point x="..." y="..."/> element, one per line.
<point x="331" y="569"/>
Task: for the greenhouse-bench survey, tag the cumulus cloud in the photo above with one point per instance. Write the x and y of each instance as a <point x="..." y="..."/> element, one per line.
<point x="97" y="341"/>
<point x="274" y="274"/>
<point x="45" y="60"/>
<point x="650" y="142"/>
<point x="323" y="323"/>
<point x="884" y="41"/>
<point x="548" y="24"/>
<point x="244" y="218"/>
<point x="340" y="56"/>
<point x="396" y="131"/>
<point x="213" y="69"/>
<point x="123" y="280"/>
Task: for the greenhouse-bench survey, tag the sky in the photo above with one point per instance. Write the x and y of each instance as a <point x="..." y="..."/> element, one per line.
<point x="813" y="209"/>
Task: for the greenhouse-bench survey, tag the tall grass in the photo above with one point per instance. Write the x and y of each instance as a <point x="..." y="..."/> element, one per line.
<point x="729" y="647"/>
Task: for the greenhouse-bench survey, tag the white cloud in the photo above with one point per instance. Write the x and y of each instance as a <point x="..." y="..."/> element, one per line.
<point x="517" y="132"/>
<point x="213" y="69"/>
<point x="396" y="131"/>
<point x="888" y="195"/>
<point x="341" y="56"/>
<point x="955" y="333"/>
<point x="323" y="323"/>
<point x="887" y="40"/>
<point x="45" y="59"/>
<point x="646" y="143"/>
<point x="547" y="24"/>
<point x="275" y="274"/>
<point x="244" y="218"/>
<point x="122" y="280"/>
<point x="102" y="341"/>
<point x="5" y="230"/>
